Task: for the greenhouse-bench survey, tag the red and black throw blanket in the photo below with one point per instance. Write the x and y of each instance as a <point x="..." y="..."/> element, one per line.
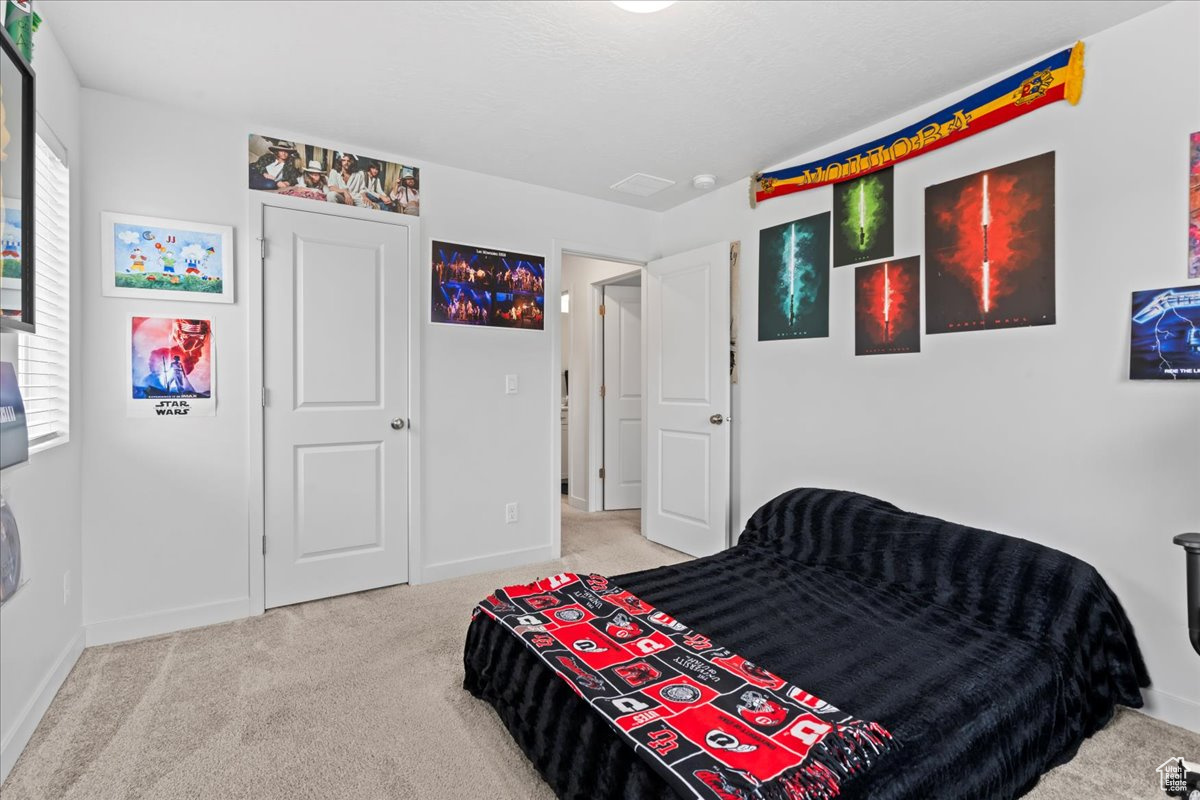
<point x="707" y="720"/>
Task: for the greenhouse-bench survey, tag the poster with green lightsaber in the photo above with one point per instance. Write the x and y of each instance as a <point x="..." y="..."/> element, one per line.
<point x="793" y="280"/>
<point x="863" y="228"/>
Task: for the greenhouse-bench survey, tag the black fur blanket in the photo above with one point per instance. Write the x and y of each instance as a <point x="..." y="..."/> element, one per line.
<point x="989" y="658"/>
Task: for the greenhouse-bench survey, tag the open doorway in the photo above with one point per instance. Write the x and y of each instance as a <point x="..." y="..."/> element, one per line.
<point x="591" y="462"/>
<point x="620" y="437"/>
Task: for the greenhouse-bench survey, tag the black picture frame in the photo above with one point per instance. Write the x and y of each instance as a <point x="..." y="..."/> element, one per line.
<point x="26" y="130"/>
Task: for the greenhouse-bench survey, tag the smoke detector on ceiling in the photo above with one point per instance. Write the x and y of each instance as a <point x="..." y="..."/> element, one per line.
<point x="704" y="182"/>
<point x="642" y="185"/>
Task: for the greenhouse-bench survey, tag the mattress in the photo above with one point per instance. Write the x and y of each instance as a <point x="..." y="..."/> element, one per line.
<point x="989" y="658"/>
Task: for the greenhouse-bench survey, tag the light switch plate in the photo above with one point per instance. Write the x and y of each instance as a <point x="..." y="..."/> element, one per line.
<point x="510" y="384"/>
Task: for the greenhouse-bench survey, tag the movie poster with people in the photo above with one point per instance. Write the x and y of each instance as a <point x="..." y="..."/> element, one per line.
<point x="171" y="368"/>
<point x="311" y="172"/>
<point x="481" y="286"/>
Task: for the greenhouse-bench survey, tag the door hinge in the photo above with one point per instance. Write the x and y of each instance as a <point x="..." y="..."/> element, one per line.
<point x="602" y="473"/>
<point x="264" y="397"/>
<point x="264" y="544"/>
<point x="602" y="390"/>
<point x="262" y="248"/>
<point x="602" y="309"/>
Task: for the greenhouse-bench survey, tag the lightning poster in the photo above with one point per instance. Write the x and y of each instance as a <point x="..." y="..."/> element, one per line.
<point x="863" y="228"/>
<point x="793" y="279"/>
<point x="887" y="307"/>
<point x="170" y="368"/>
<point x="989" y="248"/>
<point x="1164" y="336"/>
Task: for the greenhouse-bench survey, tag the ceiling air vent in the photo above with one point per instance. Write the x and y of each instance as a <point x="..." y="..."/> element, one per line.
<point x="642" y="185"/>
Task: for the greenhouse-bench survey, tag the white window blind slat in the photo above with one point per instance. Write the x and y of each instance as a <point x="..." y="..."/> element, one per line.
<point x="44" y="357"/>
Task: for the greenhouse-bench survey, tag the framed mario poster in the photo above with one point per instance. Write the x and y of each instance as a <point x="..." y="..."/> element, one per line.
<point x="171" y="367"/>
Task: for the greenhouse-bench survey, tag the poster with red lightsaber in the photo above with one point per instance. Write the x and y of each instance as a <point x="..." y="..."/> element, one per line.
<point x="887" y="307"/>
<point x="989" y="248"/>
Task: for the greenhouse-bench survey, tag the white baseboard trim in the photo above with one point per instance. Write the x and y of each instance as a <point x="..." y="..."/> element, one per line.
<point x="140" y="626"/>
<point x="577" y="502"/>
<point x="489" y="563"/>
<point x="1172" y="708"/>
<point x="27" y="721"/>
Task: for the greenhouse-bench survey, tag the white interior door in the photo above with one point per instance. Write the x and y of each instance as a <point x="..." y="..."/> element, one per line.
<point x="622" y="397"/>
<point x="687" y="400"/>
<point x="335" y="423"/>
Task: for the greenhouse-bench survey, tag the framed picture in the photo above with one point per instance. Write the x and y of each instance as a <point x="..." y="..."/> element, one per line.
<point x="165" y="259"/>
<point x="489" y="287"/>
<point x="17" y="121"/>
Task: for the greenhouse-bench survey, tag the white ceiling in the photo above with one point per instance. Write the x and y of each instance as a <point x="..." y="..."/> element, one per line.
<point x="572" y="95"/>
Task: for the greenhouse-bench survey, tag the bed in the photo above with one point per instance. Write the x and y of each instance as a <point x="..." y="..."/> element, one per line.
<point x="989" y="658"/>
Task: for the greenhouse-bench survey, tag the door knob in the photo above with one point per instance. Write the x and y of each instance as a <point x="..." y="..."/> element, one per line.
<point x="398" y="423"/>
<point x="716" y="419"/>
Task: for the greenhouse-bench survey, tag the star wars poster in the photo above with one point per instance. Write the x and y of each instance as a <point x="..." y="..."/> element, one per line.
<point x="989" y="248"/>
<point x="887" y="307"/>
<point x="1164" y="336"/>
<point x="863" y="228"/>
<point x="793" y="280"/>
<point x="171" y="368"/>
<point x="481" y="286"/>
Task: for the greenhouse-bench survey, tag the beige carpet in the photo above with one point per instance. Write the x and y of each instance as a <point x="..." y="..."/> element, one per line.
<point x="359" y="697"/>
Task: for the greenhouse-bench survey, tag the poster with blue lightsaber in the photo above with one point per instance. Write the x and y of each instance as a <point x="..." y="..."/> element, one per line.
<point x="793" y="279"/>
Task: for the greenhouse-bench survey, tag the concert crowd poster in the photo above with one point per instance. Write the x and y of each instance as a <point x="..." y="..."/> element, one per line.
<point x="487" y="287"/>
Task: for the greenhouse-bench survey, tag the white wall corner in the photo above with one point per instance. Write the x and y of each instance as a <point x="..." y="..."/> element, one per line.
<point x="488" y="563"/>
<point x="27" y="721"/>
<point x="1172" y="708"/>
<point x="139" y="626"/>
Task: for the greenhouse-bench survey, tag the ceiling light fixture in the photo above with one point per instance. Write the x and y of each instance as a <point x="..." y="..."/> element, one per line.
<point x="642" y="6"/>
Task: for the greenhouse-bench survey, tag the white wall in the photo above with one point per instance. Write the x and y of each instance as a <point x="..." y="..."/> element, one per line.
<point x="579" y="273"/>
<point x="40" y="634"/>
<point x="466" y="482"/>
<point x="165" y="520"/>
<point x="1036" y="431"/>
<point x="165" y="506"/>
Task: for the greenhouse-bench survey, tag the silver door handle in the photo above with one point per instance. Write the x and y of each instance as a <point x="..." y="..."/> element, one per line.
<point x="717" y="419"/>
<point x="398" y="423"/>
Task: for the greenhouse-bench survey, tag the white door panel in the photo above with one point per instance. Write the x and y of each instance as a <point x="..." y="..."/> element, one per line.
<point x="336" y="369"/>
<point x="622" y="397"/>
<point x="687" y="372"/>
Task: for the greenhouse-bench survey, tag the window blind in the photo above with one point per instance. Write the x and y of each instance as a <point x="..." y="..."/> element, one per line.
<point x="44" y="372"/>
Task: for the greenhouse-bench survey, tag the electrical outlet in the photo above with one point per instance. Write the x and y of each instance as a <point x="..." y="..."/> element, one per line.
<point x="510" y="384"/>
<point x="510" y="513"/>
<point x="66" y="587"/>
